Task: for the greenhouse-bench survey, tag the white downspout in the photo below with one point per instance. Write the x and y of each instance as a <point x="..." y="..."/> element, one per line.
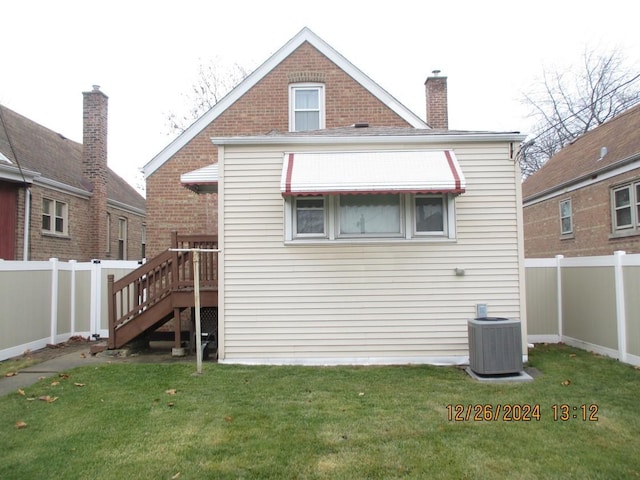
<point x="27" y="215"/>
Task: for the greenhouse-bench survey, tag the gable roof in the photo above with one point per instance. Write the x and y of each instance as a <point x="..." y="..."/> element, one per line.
<point x="581" y="160"/>
<point x="305" y="35"/>
<point x="49" y="158"/>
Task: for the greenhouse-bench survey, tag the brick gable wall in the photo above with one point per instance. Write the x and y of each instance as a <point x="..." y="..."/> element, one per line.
<point x="591" y="207"/>
<point x="265" y="107"/>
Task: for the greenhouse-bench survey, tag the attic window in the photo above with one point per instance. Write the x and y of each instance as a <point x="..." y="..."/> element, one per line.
<point x="306" y="107"/>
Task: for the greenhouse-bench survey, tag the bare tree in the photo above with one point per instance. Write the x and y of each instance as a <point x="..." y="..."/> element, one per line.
<point x="573" y="102"/>
<point x="214" y="80"/>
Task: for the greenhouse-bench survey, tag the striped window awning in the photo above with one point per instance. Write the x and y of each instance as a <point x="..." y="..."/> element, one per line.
<point x="202" y="180"/>
<point x="371" y="172"/>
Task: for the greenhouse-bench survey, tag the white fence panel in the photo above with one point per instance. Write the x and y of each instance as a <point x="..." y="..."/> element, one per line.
<point x="49" y="302"/>
<point x="595" y="304"/>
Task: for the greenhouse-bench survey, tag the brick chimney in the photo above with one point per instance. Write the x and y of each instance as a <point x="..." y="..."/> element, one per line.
<point x="437" y="108"/>
<point x="94" y="164"/>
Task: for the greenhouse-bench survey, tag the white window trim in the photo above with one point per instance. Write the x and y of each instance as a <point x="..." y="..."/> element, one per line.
<point x="108" y="233"/>
<point x="633" y="205"/>
<point x="570" y="217"/>
<point x="123" y="227"/>
<point x="408" y="226"/>
<point x="295" y="217"/>
<point x="52" y="218"/>
<point x="292" y="100"/>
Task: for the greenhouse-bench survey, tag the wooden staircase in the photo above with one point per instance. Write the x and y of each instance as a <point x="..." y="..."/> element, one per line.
<point x="160" y="289"/>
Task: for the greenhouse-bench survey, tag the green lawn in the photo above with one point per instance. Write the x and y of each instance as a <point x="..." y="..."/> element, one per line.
<point x="125" y="421"/>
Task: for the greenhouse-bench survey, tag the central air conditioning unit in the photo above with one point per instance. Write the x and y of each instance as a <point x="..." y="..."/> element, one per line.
<point x="495" y="346"/>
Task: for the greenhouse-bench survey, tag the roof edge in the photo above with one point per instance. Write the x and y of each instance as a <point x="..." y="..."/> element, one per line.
<point x="258" y="74"/>
<point x="374" y="139"/>
<point x="16" y="174"/>
<point x="562" y="187"/>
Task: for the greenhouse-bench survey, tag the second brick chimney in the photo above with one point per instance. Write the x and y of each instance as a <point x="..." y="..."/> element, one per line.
<point x="94" y="164"/>
<point x="437" y="103"/>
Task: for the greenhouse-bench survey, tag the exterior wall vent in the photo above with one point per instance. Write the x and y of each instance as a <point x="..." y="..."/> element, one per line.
<point x="495" y="346"/>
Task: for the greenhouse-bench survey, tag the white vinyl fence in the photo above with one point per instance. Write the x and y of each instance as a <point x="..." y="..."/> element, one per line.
<point x="49" y="302"/>
<point x="588" y="302"/>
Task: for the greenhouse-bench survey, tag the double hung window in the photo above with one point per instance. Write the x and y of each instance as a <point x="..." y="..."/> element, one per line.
<point x="54" y="217"/>
<point x="625" y="202"/>
<point x="566" y="217"/>
<point x="306" y="107"/>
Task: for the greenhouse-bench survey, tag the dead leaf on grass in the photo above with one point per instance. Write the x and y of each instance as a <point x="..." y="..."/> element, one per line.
<point x="48" y="399"/>
<point x="79" y="384"/>
<point x="566" y="383"/>
<point x="21" y="424"/>
<point x="83" y="355"/>
<point x="228" y="419"/>
<point x="177" y="475"/>
<point x="53" y="384"/>
<point x="171" y="391"/>
<point x="10" y="374"/>
<point x="64" y="376"/>
<point x="171" y="404"/>
<point x="361" y="394"/>
<point x="21" y="392"/>
<point x="571" y="355"/>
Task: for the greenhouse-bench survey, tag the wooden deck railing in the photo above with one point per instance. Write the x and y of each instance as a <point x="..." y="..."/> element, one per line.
<point x="169" y="272"/>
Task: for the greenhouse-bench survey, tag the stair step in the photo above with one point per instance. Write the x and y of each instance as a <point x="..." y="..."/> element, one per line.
<point x="97" y="348"/>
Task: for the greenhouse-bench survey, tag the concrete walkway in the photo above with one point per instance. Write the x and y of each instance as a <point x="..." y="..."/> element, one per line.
<point x="159" y="352"/>
<point x="30" y="375"/>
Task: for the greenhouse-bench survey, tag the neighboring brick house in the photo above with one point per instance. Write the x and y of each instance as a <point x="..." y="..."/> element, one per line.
<point x="305" y="85"/>
<point x="58" y="198"/>
<point x="586" y="199"/>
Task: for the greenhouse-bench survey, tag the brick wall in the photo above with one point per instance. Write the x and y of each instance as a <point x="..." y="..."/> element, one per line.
<point x="591" y="207"/>
<point x="265" y="107"/>
<point x="77" y="245"/>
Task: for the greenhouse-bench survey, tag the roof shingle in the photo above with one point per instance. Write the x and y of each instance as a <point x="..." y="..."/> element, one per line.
<point x="581" y="159"/>
<point x="55" y="157"/>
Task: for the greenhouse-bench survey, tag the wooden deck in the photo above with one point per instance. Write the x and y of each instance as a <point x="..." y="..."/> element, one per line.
<point x="161" y="289"/>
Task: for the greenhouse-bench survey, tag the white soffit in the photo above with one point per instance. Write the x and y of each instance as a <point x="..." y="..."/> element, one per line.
<point x="371" y="172"/>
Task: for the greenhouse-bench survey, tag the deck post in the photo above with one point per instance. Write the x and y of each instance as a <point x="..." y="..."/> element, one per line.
<point x="177" y="330"/>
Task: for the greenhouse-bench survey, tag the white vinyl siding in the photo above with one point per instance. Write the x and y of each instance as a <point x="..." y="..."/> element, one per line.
<point x="380" y="302"/>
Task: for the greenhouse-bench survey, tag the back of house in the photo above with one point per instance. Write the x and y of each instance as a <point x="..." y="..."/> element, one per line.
<point x="351" y="231"/>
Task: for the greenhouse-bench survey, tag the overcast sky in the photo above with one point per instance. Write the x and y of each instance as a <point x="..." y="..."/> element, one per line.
<point x="145" y="54"/>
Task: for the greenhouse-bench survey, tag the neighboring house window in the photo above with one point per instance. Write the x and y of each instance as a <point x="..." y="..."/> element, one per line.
<point x="566" y="217"/>
<point x="370" y="216"/>
<point x="626" y="206"/>
<point x="144" y="241"/>
<point x="54" y="217"/>
<point x="108" y="233"/>
<point x="306" y="107"/>
<point x="122" y="239"/>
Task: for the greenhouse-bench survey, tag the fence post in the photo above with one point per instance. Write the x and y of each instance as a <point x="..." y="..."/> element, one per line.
<point x="54" y="300"/>
<point x="96" y="297"/>
<point x="73" y="264"/>
<point x="111" y="308"/>
<point x="559" y="293"/>
<point x="621" y="313"/>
